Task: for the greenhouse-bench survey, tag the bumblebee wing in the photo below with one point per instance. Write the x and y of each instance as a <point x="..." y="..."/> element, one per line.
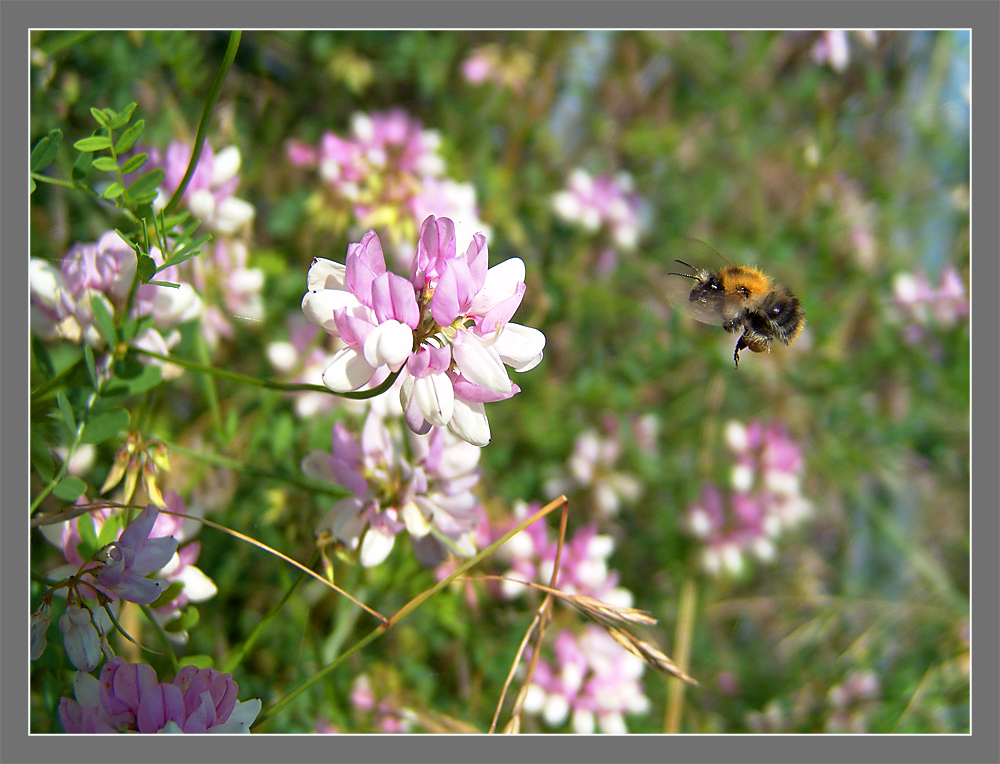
<point x="679" y="291"/>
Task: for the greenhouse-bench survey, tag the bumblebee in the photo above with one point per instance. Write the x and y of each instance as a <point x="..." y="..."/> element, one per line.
<point x="742" y="300"/>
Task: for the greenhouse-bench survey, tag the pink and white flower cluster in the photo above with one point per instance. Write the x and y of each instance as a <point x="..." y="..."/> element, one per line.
<point x="592" y="466"/>
<point x="62" y="299"/>
<point x="422" y="484"/>
<point x="389" y="174"/>
<point x="221" y="273"/>
<point x="128" y="698"/>
<point x="608" y="201"/>
<point x="766" y="499"/>
<point x="583" y="566"/>
<point x="210" y="195"/>
<point x="922" y="306"/>
<point x="594" y="682"/>
<point x="506" y="68"/>
<point x="447" y="328"/>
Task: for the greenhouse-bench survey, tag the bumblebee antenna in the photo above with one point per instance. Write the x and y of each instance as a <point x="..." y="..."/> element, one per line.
<point x="706" y="244"/>
<point x="685" y="275"/>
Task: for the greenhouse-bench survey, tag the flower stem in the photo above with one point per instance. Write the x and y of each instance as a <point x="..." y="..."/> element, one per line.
<point x="266" y="383"/>
<point x="682" y="643"/>
<point x="237" y="657"/>
<point x="206" y="115"/>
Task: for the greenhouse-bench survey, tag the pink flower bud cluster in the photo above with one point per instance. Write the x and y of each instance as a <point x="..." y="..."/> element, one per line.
<point x="765" y="500"/>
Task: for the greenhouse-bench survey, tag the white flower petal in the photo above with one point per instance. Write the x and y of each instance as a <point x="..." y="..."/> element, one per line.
<point x="46" y="282"/>
<point x="344" y="521"/>
<point x="202" y="204"/>
<point x="375" y="548"/>
<point x="583" y="722"/>
<point x="197" y="586"/>
<point x="501" y="282"/>
<point x="225" y="165"/>
<point x="469" y="423"/>
<point x="435" y="398"/>
<point x="520" y="347"/>
<point x="318" y="307"/>
<point x="348" y="371"/>
<point x="282" y="355"/>
<point x="232" y="213"/>
<point x="326" y="274"/>
<point x="242" y="716"/>
<point x="479" y="365"/>
<point x="389" y="343"/>
<point x="417" y="523"/>
<point x="175" y="306"/>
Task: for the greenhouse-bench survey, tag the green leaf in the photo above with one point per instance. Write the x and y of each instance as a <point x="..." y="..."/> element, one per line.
<point x="146" y="268"/>
<point x="104" y="426"/>
<point x="188" y="619"/>
<point x="41" y="459"/>
<point x="175" y="220"/>
<point x="87" y="544"/>
<point x="67" y="411"/>
<point x="93" y="143"/>
<point x="122" y="118"/>
<point x="105" y="164"/>
<point x="69" y="488"/>
<point x="88" y="357"/>
<point x="113" y="191"/>
<point x="129" y="137"/>
<point x="125" y="237"/>
<point x="134" y="326"/>
<point x="175" y="588"/>
<point x="42" y="357"/>
<point x="198" y="661"/>
<point x="109" y="531"/>
<point x="45" y="151"/>
<point x="147" y="183"/>
<point x="81" y="167"/>
<point x="148" y="378"/>
<point x="100" y="116"/>
<point x="104" y="322"/>
<point x="134" y="163"/>
<point x="31" y="186"/>
<point x="164" y="284"/>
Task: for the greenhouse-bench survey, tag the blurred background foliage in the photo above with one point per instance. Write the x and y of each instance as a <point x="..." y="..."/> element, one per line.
<point x="832" y="178"/>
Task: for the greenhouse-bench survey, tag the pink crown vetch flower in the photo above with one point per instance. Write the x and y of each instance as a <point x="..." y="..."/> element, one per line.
<point x="448" y="325"/>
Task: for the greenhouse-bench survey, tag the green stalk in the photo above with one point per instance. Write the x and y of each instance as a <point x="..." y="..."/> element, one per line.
<point x="206" y="115"/>
<point x="237" y="658"/>
<point x="265" y="383"/>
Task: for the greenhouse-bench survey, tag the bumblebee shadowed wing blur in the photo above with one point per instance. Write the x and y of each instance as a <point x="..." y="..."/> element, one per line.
<point x="742" y="300"/>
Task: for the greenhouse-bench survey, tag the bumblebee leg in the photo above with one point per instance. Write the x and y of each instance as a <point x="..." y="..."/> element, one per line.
<point x="740" y="344"/>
